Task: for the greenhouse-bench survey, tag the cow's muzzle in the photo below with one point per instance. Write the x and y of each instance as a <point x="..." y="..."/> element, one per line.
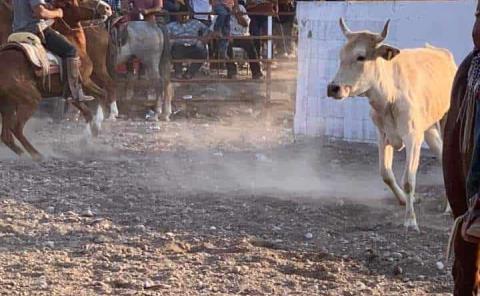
<point x="337" y="91"/>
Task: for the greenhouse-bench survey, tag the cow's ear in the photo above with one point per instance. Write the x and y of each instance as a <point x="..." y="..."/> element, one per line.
<point x="386" y="51"/>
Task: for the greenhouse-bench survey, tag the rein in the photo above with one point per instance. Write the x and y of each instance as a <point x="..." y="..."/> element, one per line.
<point x="93" y="23"/>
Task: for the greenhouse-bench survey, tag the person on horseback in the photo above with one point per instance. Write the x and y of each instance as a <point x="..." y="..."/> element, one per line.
<point x="32" y="16"/>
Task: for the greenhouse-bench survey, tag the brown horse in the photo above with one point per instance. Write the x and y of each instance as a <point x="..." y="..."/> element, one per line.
<point x="456" y="165"/>
<point x="97" y="50"/>
<point x="98" y="40"/>
<point x="21" y="90"/>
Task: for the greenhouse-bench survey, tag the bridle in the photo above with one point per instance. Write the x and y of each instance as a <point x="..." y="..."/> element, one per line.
<point x="94" y="22"/>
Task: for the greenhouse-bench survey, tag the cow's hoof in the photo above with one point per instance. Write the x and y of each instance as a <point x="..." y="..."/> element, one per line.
<point x="411" y="223"/>
<point x="417" y="199"/>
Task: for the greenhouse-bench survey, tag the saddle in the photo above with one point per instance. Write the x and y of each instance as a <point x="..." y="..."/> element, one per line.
<point x="45" y="62"/>
<point x="118" y="30"/>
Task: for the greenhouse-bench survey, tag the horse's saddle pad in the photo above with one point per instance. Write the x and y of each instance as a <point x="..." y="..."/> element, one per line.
<point x="46" y="62"/>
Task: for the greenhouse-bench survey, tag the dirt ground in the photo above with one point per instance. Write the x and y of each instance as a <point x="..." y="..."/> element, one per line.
<point x="211" y="207"/>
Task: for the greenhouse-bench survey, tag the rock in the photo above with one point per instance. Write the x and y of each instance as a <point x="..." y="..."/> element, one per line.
<point x="397" y="255"/>
<point x="87" y="213"/>
<point x="50" y="244"/>
<point x="140" y="227"/>
<point x="42" y="283"/>
<point x="50" y="210"/>
<point x="262" y="157"/>
<point x="101" y="239"/>
<point x="308" y="235"/>
<point x="151" y="285"/>
<point x="213" y="228"/>
<point x="397" y="270"/>
<point x="440" y="265"/>
<point x="276" y="228"/>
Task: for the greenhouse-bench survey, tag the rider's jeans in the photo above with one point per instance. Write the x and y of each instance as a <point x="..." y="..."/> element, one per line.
<point x="58" y="44"/>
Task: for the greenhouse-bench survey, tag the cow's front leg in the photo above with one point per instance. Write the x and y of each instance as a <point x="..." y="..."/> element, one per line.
<point x="385" y="161"/>
<point x="413" y="144"/>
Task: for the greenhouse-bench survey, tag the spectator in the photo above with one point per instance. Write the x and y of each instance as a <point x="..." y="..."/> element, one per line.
<point x="175" y="6"/>
<point x="188" y="48"/>
<point x="201" y="6"/>
<point x="144" y="10"/>
<point x="239" y="27"/>
<point x="223" y="9"/>
<point x="116" y="6"/>
<point x="284" y="26"/>
<point x="259" y="23"/>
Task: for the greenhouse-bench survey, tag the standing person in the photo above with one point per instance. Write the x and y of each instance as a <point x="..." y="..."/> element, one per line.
<point x="221" y="27"/>
<point x="239" y="27"/>
<point x="188" y="48"/>
<point x="259" y="23"/>
<point x="31" y="16"/>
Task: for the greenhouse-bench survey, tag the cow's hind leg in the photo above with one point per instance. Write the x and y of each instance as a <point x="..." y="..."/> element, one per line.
<point x="435" y="143"/>
<point x="8" y="123"/>
<point x="413" y="143"/>
<point x="24" y="112"/>
<point x="385" y="153"/>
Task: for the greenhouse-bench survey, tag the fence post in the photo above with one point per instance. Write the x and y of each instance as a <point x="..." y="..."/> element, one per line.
<point x="269" y="60"/>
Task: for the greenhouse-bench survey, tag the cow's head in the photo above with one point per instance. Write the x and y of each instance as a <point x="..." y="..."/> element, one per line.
<point x="359" y="62"/>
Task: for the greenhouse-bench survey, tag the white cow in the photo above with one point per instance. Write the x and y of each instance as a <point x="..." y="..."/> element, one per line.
<point x="409" y="94"/>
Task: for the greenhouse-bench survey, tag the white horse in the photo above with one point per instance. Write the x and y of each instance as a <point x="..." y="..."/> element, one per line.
<point x="149" y="43"/>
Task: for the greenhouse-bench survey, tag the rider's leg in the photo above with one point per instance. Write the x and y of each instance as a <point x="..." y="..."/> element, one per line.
<point x="59" y="45"/>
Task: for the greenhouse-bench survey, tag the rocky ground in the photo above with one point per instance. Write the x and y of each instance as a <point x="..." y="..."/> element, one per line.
<point x="211" y="207"/>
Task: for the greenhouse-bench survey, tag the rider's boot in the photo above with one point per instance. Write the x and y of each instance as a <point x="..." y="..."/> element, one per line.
<point x="73" y="75"/>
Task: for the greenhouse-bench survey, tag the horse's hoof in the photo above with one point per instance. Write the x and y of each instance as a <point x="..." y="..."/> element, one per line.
<point x="111" y="118"/>
<point x="37" y="157"/>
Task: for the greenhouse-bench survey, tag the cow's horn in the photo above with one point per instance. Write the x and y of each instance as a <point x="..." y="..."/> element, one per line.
<point x="345" y="30"/>
<point x="384" y="33"/>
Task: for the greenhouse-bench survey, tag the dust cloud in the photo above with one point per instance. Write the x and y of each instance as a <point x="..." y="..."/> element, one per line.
<point x="223" y="156"/>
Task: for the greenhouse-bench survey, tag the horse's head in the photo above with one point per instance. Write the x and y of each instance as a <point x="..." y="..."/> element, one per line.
<point x="75" y="11"/>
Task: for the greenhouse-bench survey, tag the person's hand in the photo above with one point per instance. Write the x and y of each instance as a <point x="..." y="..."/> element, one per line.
<point x="60" y="12"/>
<point x="181" y="1"/>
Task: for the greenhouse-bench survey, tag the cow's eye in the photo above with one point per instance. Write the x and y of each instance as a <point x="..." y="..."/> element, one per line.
<point x="361" y="59"/>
